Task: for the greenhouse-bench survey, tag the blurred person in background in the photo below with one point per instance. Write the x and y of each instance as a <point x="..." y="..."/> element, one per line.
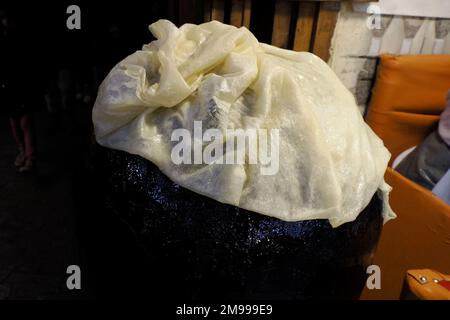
<point x="19" y="93"/>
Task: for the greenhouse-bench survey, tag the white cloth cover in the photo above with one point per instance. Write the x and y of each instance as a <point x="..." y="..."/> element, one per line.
<point x="330" y="162"/>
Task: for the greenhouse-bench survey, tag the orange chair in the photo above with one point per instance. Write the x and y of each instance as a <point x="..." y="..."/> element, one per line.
<point x="407" y="99"/>
<point x="426" y="284"/>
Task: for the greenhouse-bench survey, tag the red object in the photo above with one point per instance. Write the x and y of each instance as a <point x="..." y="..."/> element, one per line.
<point x="445" y="284"/>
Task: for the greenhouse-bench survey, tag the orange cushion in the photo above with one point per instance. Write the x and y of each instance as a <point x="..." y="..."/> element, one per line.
<point x="408" y="97"/>
<point x="419" y="237"/>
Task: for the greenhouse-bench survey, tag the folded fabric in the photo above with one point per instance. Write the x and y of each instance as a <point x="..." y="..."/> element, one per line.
<point x="428" y="162"/>
<point x="442" y="188"/>
<point x="330" y="162"/>
<point x="402" y="156"/>
<point x="444" y="122"/>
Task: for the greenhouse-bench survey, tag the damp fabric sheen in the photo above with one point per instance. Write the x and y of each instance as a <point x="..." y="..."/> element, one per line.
<point x="330" y="162"/>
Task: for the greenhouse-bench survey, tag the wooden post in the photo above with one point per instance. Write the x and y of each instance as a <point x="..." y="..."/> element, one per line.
<point x="326" y="22"/>
<point x="304" y="26"/>
<point x="237" y="13"/>
<point x="247" y="13"/>
<point x="281" y="23"/>
<point x="207" y="8"/>
<point x="217" y="10"/>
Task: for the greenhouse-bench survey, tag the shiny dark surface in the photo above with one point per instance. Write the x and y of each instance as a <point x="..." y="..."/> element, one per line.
<point x="195" y="247"/>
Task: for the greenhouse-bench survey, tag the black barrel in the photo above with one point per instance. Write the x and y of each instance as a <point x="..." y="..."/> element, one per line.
<point x="188" y="246"/>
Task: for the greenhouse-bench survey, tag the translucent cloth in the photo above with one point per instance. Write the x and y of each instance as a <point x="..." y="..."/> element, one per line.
<point x="330" y="162"/>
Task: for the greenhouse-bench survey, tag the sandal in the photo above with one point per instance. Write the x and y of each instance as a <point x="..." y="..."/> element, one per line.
<point x="20" y="159"/>
<point x="28" y="167"/>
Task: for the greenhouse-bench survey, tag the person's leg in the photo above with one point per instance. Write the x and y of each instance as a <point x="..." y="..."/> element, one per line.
<point x="27" y="126"/>
<point x="18" y="137"/>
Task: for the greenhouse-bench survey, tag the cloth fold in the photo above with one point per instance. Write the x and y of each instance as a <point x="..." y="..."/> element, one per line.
<point x="330" y="162"/>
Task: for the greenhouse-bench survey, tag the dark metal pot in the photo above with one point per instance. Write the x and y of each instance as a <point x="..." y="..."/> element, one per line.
<point x="195" y="247"/>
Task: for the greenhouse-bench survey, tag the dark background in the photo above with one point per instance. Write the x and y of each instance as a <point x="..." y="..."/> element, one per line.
<point x="53" y="217"/>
